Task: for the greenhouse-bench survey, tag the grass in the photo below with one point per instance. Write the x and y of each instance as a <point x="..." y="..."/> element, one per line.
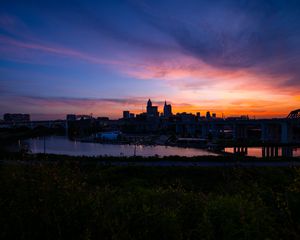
<point x="67" y="199"/>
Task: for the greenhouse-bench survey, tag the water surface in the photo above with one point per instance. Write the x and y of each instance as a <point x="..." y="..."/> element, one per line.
<point x="265" y="151"/>
<point x="62" y="145"/>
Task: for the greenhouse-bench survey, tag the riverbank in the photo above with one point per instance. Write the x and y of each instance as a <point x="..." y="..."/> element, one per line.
<point x="69" y="199"/>
<point x="24" y="158"/>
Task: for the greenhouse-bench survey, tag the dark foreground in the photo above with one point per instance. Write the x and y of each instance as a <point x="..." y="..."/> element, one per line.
<point x="71" y="200"/>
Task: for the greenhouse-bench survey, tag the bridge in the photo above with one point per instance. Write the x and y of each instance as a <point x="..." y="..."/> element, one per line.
<point x="35" y="124"/>
<point x="294" y="114"/>
<point x="277" y="130"/>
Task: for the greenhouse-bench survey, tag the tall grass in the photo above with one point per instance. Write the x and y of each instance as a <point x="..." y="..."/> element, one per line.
<point x="73" y="201"/>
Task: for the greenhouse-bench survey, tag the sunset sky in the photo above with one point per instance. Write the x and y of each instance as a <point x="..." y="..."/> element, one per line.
<point x="102" y="57"/>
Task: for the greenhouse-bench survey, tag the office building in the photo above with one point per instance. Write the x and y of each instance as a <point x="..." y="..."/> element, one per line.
<point x="152" y="111"/>
<point x="71" y="117"/>
<point x="126" y="114"/>
<point x="167" y="110"/>
<point x="208" y="115"/>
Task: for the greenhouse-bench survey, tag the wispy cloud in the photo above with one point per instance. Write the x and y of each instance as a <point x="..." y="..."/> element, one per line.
<point x="57" y="51"/>
<point x="259" y="37"/>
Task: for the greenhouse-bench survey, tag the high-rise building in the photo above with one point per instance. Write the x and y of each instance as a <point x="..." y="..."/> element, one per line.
<point x="167" y="110"/>
<point x="152" y="111"/>
<point x="149" y="107"/>
<point x="126" y="114"/>
<point x="208" y="115"/>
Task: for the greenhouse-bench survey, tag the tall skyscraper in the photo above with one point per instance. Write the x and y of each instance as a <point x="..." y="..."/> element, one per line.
<point x="152" y="111"/>
<point x="167" y="110"/>
<point x="149" y="107"/>
<point x="208" y="115"/>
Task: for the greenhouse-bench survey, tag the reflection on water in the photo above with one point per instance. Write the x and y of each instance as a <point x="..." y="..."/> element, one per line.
<point x="62" y="145"/>
<point x="265" y="151"/>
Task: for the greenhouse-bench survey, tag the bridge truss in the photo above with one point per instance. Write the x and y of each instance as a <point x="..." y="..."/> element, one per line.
<point x="294" y="114"/>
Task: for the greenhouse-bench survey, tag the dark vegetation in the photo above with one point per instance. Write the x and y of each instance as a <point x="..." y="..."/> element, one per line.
<point x="71" y="200"/>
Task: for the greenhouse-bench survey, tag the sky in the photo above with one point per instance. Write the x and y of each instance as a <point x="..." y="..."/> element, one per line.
<point x="234" y="57"/>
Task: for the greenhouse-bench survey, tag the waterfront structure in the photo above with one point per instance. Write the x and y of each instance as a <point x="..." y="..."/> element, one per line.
<point x="167" y="110"/>
<point x="111" y="136"/>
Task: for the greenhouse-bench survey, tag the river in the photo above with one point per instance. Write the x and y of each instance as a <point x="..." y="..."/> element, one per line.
<point x="63" y="145"/>
<point x="283" y="151"/>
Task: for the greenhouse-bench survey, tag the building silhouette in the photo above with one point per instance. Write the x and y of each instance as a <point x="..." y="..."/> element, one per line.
<point x="126" y="114"/>
<point x="152" y="111"/>
<point x="208" y="116"/>
<point x="167" y="110"/>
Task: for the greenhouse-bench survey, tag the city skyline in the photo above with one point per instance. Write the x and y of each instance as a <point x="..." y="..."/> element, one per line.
<point x="151" y="109"/>
<point x="103" y="57"/>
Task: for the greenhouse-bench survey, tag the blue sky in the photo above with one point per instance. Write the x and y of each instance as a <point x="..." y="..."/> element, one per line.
<point x="102" y="57"/>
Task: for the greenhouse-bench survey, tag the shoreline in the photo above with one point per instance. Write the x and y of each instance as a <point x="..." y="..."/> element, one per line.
<point x="175" y="158"/>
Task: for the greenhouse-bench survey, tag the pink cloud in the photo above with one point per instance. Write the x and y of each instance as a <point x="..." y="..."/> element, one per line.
<point x="190" y="73"/>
